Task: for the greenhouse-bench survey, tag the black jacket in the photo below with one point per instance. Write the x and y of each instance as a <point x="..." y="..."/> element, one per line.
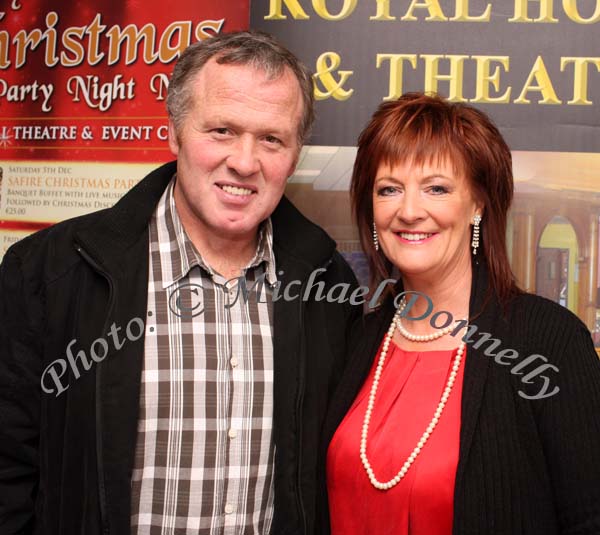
<point x="526" y="467"/>
<point x="66" y="461"/>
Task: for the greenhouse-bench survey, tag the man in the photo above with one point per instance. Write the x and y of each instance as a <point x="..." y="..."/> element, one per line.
<point x="165" y="364"/>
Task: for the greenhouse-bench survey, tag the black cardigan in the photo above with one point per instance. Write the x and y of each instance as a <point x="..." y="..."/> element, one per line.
<point x="526" y="467"/>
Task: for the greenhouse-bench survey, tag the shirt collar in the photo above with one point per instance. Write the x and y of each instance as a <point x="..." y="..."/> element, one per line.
<point x="178" y="255"/>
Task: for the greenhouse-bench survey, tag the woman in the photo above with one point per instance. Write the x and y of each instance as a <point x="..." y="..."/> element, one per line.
<point x="479" y="414"/>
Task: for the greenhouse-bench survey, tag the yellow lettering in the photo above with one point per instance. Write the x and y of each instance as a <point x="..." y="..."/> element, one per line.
<point x="455" y="77"/>
<point x="383" y="11"/>
<point x="462" y="13"/>
<point x="396" y="71"/>
<point x="347" y="9"/>
<point x="133" y="36"/>
<point x="327" y="65"/>
<point x="544" y="85"/>
<point x="545" y="11"/>
<point x="570" y="7"/>
<point x="276" y="11"/>
<point x="4" y="44"/>
<point x="433" y="6"/>
<point x="208" y="28"/>
<point x="72" y="45"/>
<point x="24" y="40"/>
<point x="167" y="52"/>
<point x="580" y="78"/>
<point x="50" y="34"/>
<point x="94" y="30"/>
<point x="484" y="79"/>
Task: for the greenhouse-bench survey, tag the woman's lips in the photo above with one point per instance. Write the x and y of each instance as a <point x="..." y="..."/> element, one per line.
<point x="415" y="238"/>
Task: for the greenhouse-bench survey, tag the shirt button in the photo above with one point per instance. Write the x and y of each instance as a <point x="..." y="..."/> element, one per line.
<point x="232" y="433"/>
<point x="229" y="509"/>
<point x="234" y="362"/>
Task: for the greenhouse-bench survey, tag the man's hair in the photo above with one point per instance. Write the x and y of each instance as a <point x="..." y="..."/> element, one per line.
<point x="254" y="48"/>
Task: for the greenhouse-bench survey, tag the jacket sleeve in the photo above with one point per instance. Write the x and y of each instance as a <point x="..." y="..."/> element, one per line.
<point x="20" y="363"/>
<point x="354" y="311"/>
<point x="569" y="422"/>
<point x="340" y="324"/>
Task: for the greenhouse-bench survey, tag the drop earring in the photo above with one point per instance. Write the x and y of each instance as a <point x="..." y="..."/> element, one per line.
<point x="375" y="237"/>
<point x="475" y="240"/>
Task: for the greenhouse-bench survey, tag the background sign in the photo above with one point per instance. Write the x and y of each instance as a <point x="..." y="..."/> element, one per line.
<point x="534" y="65"/>
<point x="82" y="99"/>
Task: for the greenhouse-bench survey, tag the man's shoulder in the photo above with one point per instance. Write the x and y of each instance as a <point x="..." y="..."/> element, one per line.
<point x="51" y="250"/>
<point x="55" y="246"/>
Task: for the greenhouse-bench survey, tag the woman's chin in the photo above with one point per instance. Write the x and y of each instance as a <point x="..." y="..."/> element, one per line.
<point x="414" y="269"/>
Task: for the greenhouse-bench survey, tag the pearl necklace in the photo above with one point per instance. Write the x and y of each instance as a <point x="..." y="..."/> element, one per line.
<point x="434" y="421"/>
<point x="420" y="337"/>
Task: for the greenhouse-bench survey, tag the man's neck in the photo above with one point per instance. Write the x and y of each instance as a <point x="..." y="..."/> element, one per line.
<point x="225" y="255"/>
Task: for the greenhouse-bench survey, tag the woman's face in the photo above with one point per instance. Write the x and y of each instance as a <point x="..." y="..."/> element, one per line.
<point x="423" y="215"/>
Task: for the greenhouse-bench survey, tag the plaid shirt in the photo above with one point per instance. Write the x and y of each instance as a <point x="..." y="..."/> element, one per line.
<point x="204" y="455"/>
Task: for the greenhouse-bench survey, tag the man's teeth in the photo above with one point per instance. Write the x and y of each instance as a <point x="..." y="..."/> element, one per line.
<point x="411" y="236"/>
<point x="236" y="191"/>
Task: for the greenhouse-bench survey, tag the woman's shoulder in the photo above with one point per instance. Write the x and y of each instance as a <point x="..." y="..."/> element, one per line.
<point x="538" y="311"/>
<point x="549" y="328"/>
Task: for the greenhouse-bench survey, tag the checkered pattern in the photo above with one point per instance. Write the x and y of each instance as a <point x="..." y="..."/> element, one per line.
<point x="204" y="455"/>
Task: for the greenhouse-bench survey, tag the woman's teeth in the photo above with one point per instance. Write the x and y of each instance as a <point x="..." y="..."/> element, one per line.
<point x="411" y="236"/>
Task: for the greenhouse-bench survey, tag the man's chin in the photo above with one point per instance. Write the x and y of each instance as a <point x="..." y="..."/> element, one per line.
<point x="237" y="230"/>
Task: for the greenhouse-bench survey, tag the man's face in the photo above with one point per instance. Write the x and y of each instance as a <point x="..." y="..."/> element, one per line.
<point x="235" y="149"/>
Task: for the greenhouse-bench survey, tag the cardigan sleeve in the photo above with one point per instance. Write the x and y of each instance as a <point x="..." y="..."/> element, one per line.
<point x="20" y="363"/>
<point x="569" y="423"/>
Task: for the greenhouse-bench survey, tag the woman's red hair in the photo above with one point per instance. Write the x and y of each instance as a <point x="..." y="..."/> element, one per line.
<point x="419" y="129"/>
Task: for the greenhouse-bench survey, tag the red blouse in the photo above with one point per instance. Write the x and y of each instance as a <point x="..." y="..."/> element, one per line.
<point x="409" y="391"/>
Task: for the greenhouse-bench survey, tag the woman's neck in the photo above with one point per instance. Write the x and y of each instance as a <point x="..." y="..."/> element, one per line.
<point x="444" y="294"/>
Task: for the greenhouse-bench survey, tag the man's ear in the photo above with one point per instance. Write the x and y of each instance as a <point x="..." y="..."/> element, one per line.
<point x="173" y="139"/>
<point x="295" y="162"/>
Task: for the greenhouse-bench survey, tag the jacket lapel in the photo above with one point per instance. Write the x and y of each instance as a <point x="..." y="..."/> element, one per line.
<point x="118" y="391"/>
<point x="118" y="246"/>
<point x="486" y="315"/>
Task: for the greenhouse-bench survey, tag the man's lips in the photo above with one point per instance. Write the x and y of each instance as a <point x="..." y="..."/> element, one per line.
<point x="236" y="189"/>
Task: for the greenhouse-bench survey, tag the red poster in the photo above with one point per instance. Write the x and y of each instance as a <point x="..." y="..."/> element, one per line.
<point x="87" y="80"/>
<point x="82" y="99"/>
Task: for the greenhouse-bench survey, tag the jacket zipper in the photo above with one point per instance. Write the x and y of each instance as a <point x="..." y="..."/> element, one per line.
<point x="100" y="467"/>
<point x="299" y="400"/>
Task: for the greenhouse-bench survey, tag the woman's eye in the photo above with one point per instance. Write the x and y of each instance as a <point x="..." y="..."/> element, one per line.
<point x="386" y="191"/>
<point x="438" y="190"/>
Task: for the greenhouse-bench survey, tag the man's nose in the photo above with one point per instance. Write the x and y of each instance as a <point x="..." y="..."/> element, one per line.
<point x="243" y="158"/>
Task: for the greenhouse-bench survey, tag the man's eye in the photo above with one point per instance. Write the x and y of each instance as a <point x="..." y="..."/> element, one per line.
<point x="220" y="131"/>
<point x="273" y="140"/>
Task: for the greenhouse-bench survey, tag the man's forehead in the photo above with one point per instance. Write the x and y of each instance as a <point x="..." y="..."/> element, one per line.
<point x="231" y="84"/>
<point x="228" y="77"/>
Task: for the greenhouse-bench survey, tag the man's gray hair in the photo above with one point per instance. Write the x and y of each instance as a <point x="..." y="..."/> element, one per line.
<point x="254" y="48"/>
